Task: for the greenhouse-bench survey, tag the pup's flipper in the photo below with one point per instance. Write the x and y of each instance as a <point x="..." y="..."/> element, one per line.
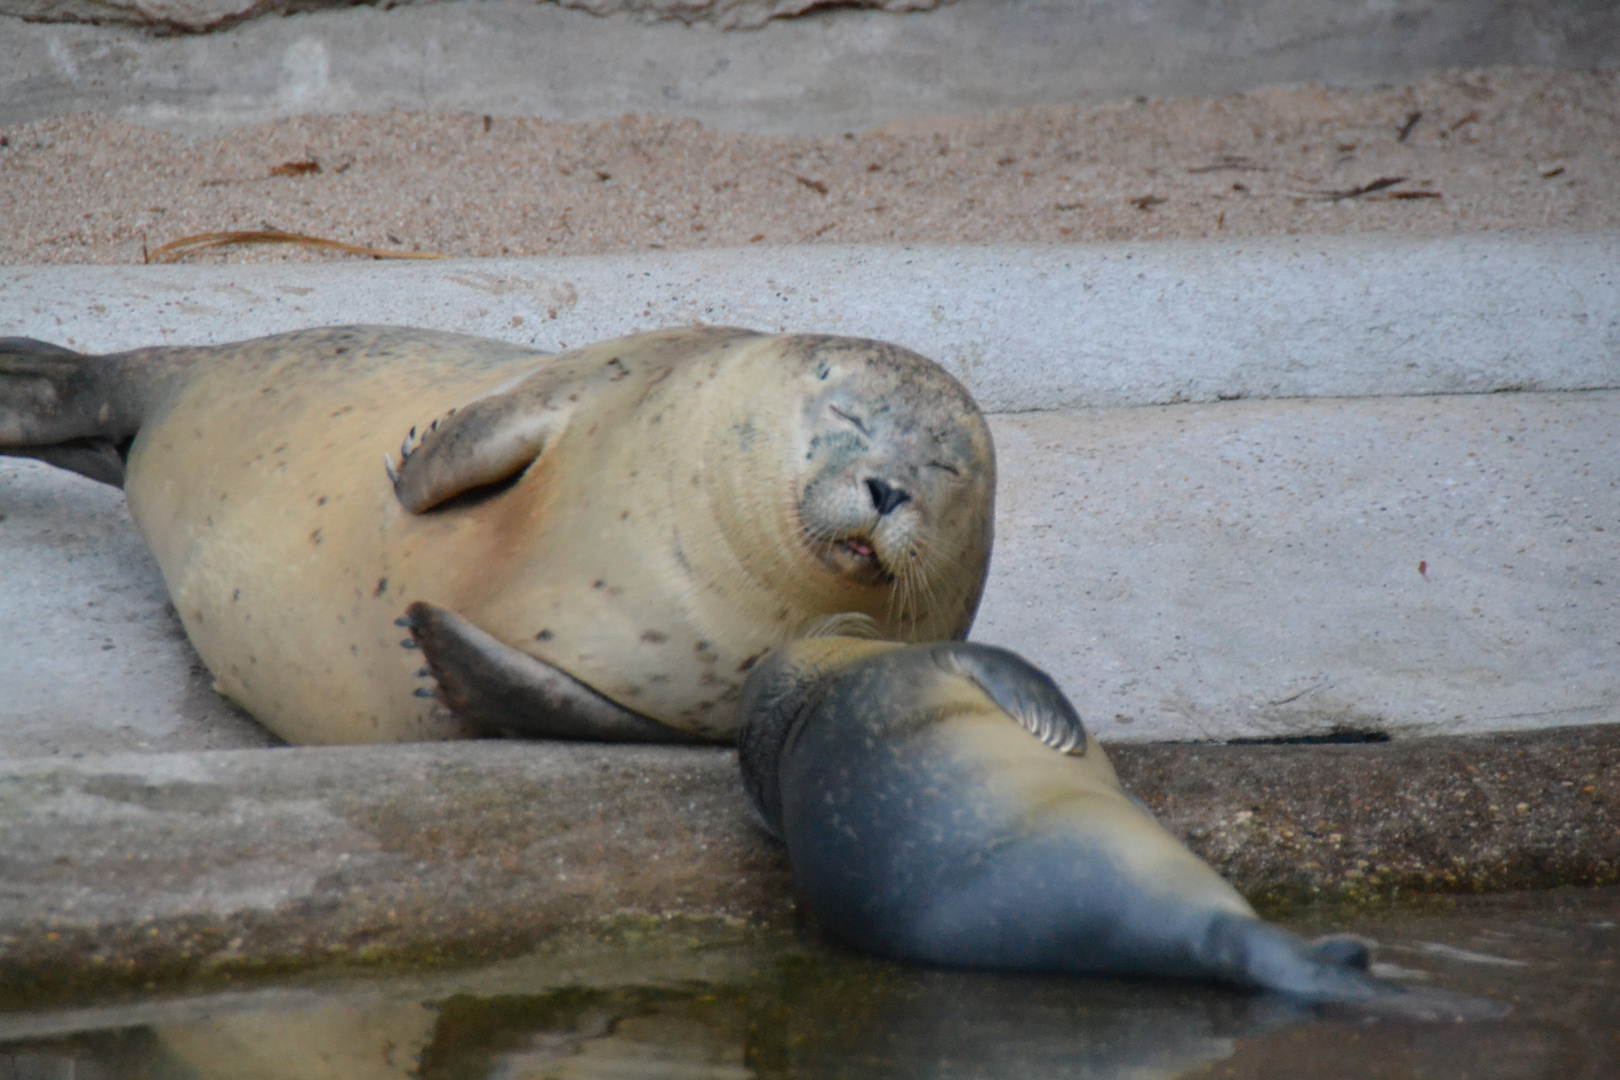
<point x="1327" y="972"/>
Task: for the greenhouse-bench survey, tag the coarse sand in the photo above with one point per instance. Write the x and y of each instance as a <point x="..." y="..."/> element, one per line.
<point x="1501" y="148"/>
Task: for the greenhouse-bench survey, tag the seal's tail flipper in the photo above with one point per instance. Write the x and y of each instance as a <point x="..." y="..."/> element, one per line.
<point x="60" y="407"/>
<point x="1329" y="972"/>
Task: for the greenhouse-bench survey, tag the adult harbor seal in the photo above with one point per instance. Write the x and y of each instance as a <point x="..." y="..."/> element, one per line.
<point x="597" y="544"/>
<point x="943" y="803"/>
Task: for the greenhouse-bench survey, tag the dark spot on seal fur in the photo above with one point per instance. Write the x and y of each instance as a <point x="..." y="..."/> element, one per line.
<point x="748" y="664"/>
<point x="382" y="587"/>
<point x="653" y="637"/>
<point x="598" y="584"/>
<point x="544" y="635"/>
<point x="315" y="537"/>
<point x="236" y="595"/>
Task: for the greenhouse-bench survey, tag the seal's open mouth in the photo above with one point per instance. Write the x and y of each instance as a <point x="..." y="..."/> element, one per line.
<point x="861" y="559"/>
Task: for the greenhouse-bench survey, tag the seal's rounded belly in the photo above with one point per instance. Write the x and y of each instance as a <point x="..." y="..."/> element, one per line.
<point x="378" y="534"/>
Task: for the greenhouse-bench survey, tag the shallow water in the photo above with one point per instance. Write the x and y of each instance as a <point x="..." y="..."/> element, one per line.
<point x="672" y="1000"/>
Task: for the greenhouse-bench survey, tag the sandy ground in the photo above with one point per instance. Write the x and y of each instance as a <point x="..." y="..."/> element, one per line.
<point x="1488" y="149"/>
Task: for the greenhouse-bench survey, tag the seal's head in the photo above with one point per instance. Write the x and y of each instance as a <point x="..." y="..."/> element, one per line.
<point x="886" y="475"/>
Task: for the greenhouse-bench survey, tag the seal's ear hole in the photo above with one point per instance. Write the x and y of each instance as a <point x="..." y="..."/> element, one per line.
<point x="477" y="496"/>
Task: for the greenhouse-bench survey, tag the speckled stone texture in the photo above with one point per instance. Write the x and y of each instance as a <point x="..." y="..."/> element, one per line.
<point x="201" y="16"/>
<point x="1290" y="823"/>
<point x="122" y="869"/>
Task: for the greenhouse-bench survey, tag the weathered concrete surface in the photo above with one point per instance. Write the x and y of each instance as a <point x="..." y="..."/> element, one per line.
<point x="1400" y="566"/>
<point x="1243" y="568"/>
<point x="1025" y="328"/>
<point x="123" y="868"/>
<point x="121" y="864"/>
<point x="827" y="73"/>
<point x="1481" y="814"/>
<point x="204" y="15"/>
<point x="110" y="669"/>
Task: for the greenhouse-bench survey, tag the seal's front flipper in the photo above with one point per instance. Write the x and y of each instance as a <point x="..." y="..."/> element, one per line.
<point x="493" y="439"/>
<point x="1021" y="690"/>
<point x="508" y="692"/>
<point x="64" y="408"/>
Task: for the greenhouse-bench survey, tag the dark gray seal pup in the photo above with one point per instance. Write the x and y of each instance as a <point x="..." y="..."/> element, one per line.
<point x="598" y="544"/>
<point x="943" y="803"/>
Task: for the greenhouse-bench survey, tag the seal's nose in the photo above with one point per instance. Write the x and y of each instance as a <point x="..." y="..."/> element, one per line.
<point x="885" y="497"/>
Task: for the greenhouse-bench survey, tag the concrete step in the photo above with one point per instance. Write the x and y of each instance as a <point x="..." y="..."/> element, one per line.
<point x="1025" y="328"/>
<point x="827" y="73"/>
<point x="1416" y="557"/>
<point x="126" y="868"/>
<point x="1341" y="549"/>
<point x="1275" y="569"/>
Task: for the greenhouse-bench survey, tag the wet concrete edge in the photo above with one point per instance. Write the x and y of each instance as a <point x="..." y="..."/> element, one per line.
<point x="459" y="852"/>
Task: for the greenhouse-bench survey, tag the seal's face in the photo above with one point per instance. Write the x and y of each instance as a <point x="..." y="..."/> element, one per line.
<point x="895" y="485"/>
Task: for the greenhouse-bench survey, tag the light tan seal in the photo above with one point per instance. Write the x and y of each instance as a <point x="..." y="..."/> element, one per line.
<point x="597" y="544"/>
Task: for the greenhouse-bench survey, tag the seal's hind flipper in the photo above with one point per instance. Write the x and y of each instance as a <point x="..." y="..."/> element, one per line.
<point x="97" y="459"/>
<point x="493" y="439"/>
<point x="507" y="692"/>
<point x="1345" y="950"/>
<point x="59" y="406"/>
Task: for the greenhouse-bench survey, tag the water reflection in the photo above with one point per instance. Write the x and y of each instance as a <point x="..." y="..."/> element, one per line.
<point x="741" y="1007"/>
<point x="808" y="1018"/>
<point x="807" y="1021"/>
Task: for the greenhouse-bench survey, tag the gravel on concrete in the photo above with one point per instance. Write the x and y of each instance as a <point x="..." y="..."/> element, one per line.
<point x="1493" y="149"/>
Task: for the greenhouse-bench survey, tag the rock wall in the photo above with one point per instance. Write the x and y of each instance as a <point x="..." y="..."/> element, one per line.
<point x="201" y="16"/>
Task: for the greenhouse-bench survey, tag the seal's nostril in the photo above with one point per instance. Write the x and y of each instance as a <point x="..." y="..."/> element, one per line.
<point x="885" y="497"/>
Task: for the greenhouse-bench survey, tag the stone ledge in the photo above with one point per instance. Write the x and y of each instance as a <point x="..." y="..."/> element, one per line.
<point x="122" y="869"/>
<point x="202" y="16"/>
<point x="1294" y="823"/>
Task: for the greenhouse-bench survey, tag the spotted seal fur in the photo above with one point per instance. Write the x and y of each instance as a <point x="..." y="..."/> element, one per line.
<point x="597" y="544"/>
